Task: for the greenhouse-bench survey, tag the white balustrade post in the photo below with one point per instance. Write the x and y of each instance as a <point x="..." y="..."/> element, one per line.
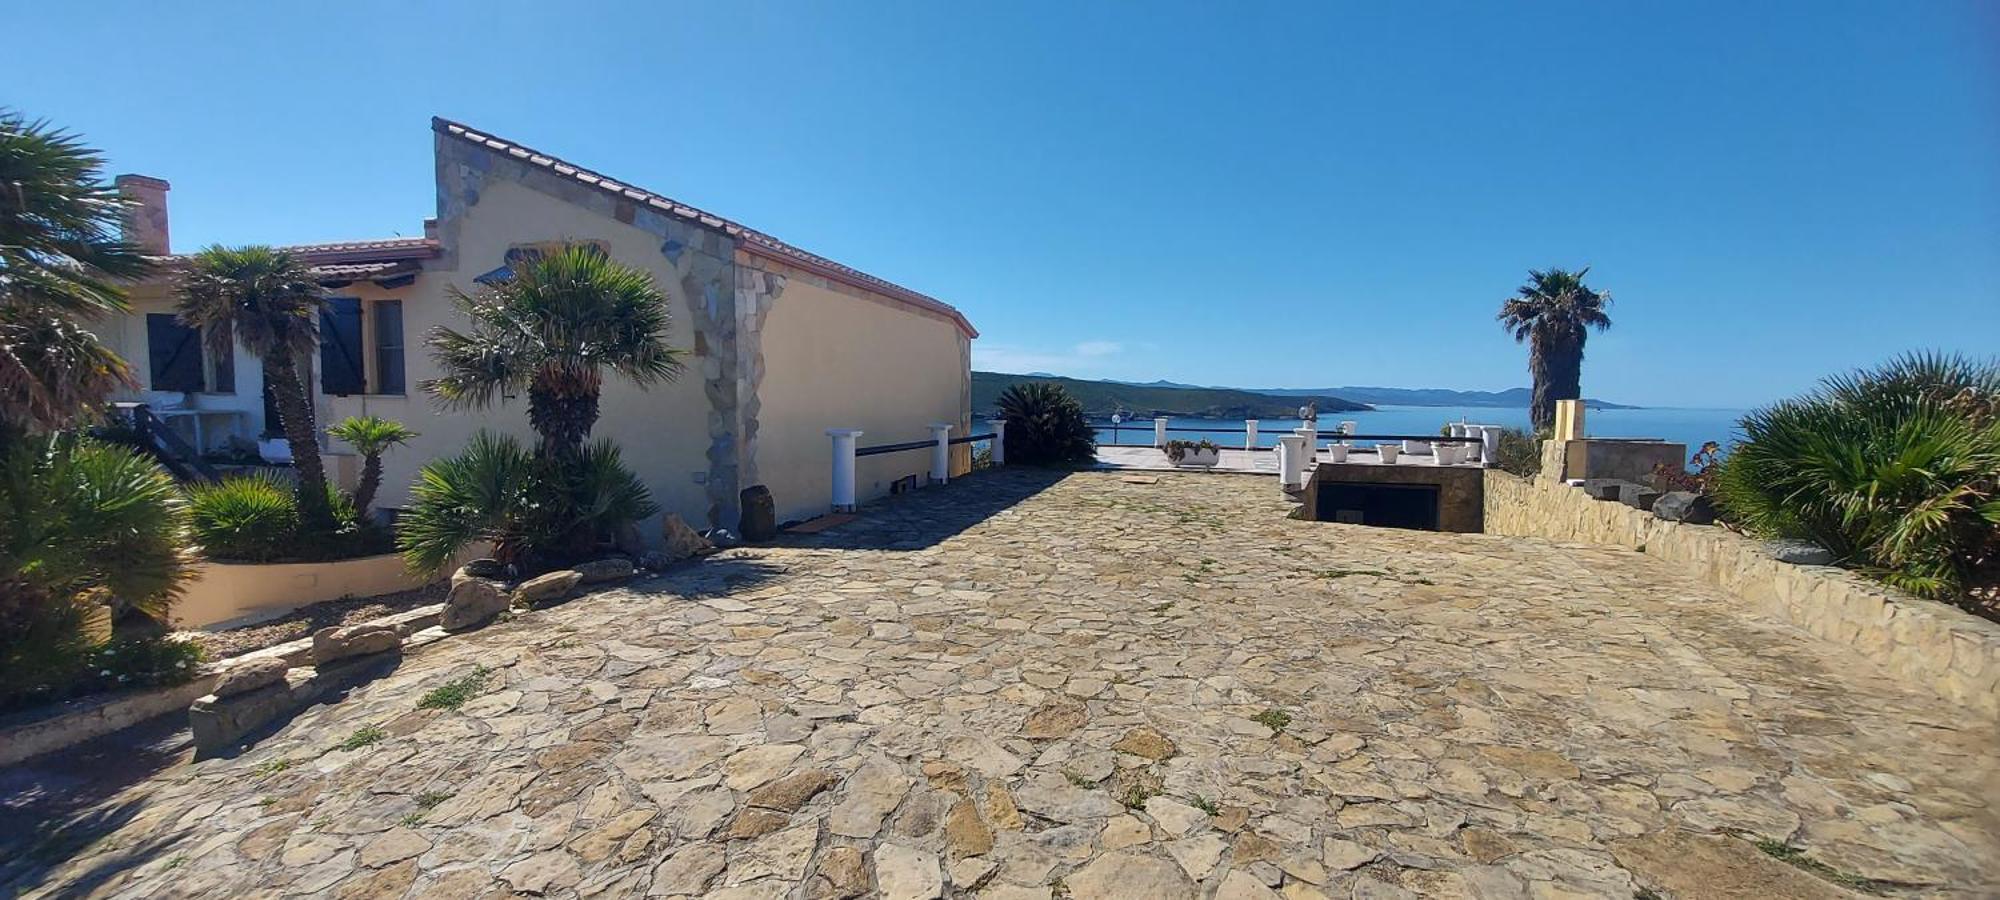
<point x="999" y="427"/>
<point x="1489" y="445"/>
<point x="941" y="454"/>
<point x="1311" y="435"/>
<point x="1159" y="431"/>
<point x="843" y="467"/>
<point x="1291" y="461"/>
<point x="1250" y="434"/>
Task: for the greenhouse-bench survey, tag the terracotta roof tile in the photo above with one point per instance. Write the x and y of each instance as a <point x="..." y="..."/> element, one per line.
<point x="753" y="240"/>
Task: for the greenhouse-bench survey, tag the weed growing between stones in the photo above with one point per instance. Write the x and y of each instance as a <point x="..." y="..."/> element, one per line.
<point x="362" y="737"/>
<point x="453" y="694"/>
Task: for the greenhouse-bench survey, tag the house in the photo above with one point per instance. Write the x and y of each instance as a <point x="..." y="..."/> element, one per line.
<point x="780" y="344"/>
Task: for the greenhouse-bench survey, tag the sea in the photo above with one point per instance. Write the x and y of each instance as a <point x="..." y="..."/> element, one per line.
<point x="1681" y="425"/>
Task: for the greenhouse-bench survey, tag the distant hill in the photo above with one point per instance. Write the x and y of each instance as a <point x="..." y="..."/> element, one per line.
<point x="1102" y="398"/>
<point x="1517" y="398"/>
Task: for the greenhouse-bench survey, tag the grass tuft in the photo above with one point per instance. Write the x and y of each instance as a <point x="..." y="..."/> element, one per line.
<point x="453" y="694"/>
<point x="1797" y="858"/>
<point x="1274" y="718"/>
<point x="362" y="737"/>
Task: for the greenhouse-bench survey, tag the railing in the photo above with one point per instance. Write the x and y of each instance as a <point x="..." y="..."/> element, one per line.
<point x="178" y="456"/>
<point x="845" y="452"/>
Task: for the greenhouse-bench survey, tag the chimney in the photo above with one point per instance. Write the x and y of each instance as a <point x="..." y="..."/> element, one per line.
<point x="146" y="222"/>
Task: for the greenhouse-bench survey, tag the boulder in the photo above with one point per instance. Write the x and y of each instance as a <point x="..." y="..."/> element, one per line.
<point x="1602" y="488"/>
<point x="760" y="515"/>
<point x="484" y="567"/>
<point x="678" y="541"/>
<point x="473" y="602"/>
<point x="1799" y="553"/>
<point x="653" y="561"/>
<point x="610" y="568"/>
<point x="218" y="723"/>
<point x="251" y="674"/>
<point x="334" y="643"/>
<point x="1685" y="506"/>
<point x="548" y="588"/>
<point x="629" y="540"/>
<point x="1638" y="496"/>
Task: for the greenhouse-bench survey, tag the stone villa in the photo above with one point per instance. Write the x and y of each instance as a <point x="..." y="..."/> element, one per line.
<point x="781" y="344"/>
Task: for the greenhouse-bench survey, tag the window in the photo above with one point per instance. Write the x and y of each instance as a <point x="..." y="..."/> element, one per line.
<point x="340" y="354"/>
<point x="222" y="366"/>
<point x="389" y="347"/>
<point x="173" y="353"/>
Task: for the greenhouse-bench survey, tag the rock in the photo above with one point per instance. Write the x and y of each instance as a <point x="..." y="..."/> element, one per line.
<point x="783" y="854"/>
<point x="871" y="793"/>
<point x="845" y="871"/>
<point x="1052" y="796"/>
<point x="1688" y="865"/>
<point x="1241" y="885"/>
<point x="1638" y="496"/>
<point x="1000" y="808"/>
<point x="653" y="561"/>
<point x="217" y="723"/>
<point x="1799" y="553"/>
<point x="628" y="540"/>
<point x="792" y="791"/>
<point x="965" y="833"/>
<point x="1603" y="488"/>
<point x="906" y="873"/>
<point x="394" y="845"/>
<point x="1175" y="818"/>
<point x="1146" y="742"/>
<point x="1685" y="506"/>
<point x="752" y="767"/>
<point x="1055" y="719"/>
<point x="1197" y="855"/>
<point x="473" y="602"/>
<point x="755" y="823"/>
<point x="249" y="675"/>
<point x="551" y="870"/>
<point x="483" y="567"/>
<point x="688" y="871"/>
<point x="678" y="541"/>
<point x="1127" y="873"/>
<point x="610" y="568"/>
<point x="547" y="588"/>
<point x="760" y="517"/>
<point x="1122" y="832"/>
<point x="332" y="643"/>
<point x="1342" y="855"/>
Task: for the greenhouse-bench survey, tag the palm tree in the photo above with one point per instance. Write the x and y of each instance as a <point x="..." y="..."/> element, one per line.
<point x="270" y="301"/>
<point x="371" y="436"/>
<point x="61" y="261"/>
<point x="1046" y="426"/>
<point x="552" y="330"/>
<point x="1554" y="313"/>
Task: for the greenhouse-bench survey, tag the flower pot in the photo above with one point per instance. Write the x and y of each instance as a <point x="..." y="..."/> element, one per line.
<point x="1442" y="455"/>
<point x="1338" y="452"/>
<point x="1200" y="458"/>
<point x="1387" y="451"/>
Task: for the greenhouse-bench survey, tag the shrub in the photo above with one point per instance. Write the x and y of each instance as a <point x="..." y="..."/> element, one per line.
<point x="252" y="518"/>
<point x="539" y="512"/>
<point x="1520" y="452"/>
<point x="83" y="526"/>
<point x="1046" y="426"/>
<point x="1178" y="450"/>
<point x="1896" y="470"/>
<point x="255" y="518"/>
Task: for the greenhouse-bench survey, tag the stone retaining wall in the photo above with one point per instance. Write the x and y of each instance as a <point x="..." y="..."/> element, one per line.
<point x="1952" y="652"/>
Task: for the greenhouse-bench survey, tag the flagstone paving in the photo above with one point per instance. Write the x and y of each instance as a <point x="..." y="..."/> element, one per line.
<point x="1024" y="684"/>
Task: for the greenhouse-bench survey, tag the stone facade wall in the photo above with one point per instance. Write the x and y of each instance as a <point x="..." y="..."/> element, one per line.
<point x="1953" y="653"/>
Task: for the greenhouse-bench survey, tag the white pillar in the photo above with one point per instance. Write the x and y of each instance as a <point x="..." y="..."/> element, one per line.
<point x="1489" y="445"/>
<point x="999" y="427"/>
<point x="1311" y="435"/>
<point x="941" y="453"/>
<point x="843" y="467"/>
<point x="1159" y="431"/>
<point x="1291" y="461"/>
<point x="1250" y="434"/>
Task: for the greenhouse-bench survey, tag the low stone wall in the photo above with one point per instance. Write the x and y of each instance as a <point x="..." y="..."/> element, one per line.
<point x="230" y="594"/>
<point x="1952" y="652"/>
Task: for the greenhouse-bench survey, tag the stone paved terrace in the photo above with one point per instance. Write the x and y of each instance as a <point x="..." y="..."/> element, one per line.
<point x="1026" y="683"/>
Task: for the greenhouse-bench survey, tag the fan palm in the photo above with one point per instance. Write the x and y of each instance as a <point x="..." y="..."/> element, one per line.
<point x="553" y="330"/>
<point x="269" y="300"/>
<point x="82" y="525"/>
<point x="61" y="261"/>
<point x="1046" y="426"/>
<point x="1554" y="312"/>
<point x="371" y="436"/>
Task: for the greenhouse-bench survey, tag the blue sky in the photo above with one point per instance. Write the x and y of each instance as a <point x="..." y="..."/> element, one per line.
<point x="1275" y="196"/>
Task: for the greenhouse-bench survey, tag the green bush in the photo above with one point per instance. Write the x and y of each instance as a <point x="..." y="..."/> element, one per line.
<point x="538" y="512"/>
<point x="250" y="518"/>
<point x="1896" y="470"/>
<point x="1046" y="426"/>
<point x="255" y="518"/>
<point x="1520" y="452"/>
<point x="83" y="527"/>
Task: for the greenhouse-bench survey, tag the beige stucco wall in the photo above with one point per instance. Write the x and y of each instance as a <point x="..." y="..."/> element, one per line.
<point x="839" y="357"/>
<point x="662" y="431"/>
<point x="126" y="336"/>
<point x="1952" y="652"/>
<point x="236" y="593"/>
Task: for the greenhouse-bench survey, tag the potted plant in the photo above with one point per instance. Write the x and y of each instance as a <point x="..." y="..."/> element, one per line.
<point x="1193" y="453"/>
